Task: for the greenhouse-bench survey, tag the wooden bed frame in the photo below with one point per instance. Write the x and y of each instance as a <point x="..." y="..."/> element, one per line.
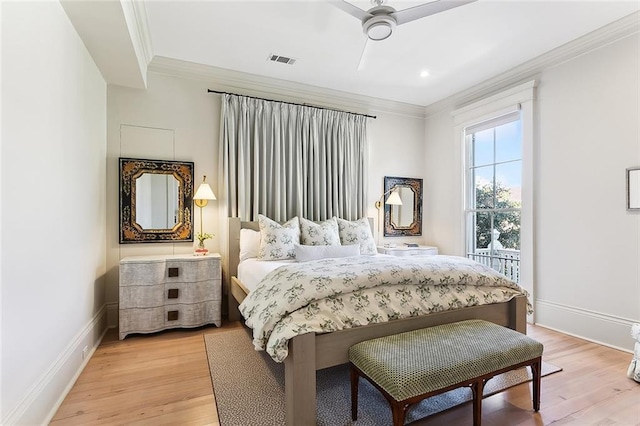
<point x="310" y="352"/>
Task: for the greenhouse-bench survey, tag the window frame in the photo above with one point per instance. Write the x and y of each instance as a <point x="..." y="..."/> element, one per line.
<point x="520" y="97"/>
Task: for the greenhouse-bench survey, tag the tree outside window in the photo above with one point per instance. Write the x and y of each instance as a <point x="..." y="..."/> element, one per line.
<point x="506" y="222"/>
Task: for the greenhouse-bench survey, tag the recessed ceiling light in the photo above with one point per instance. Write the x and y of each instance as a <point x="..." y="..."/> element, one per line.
<point x="424" y="73"/>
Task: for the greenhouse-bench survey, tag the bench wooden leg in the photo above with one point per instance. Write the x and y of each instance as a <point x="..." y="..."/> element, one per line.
<point x="398" y="412"/>
<point x="355" y="378"/>
<point x="536" y="372"/>
<point x="477" y="388"/>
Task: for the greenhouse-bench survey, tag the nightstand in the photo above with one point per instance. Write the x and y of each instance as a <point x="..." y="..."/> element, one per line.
<point x="169" y="291"/>
<point x="402" y="250"/>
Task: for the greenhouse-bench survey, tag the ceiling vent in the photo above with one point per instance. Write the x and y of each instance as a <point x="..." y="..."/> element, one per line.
<point x="282" y="59"/>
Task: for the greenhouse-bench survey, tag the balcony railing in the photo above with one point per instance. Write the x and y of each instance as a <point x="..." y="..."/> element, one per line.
<point x="505" y="261"/>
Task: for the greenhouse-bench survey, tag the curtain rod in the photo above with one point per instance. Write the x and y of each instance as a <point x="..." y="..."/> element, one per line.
<point x="290" y="103"/>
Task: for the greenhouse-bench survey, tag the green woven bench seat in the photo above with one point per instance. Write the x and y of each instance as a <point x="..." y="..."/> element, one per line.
<point x="412" y="366"/>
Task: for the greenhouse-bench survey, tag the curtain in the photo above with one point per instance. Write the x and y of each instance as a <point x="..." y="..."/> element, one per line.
<point x="284" y="160"/>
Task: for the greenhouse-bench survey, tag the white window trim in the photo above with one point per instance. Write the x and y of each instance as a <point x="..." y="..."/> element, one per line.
<point x="519" y="97"/>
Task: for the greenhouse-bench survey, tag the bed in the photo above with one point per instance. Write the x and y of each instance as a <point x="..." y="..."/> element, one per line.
<point x="312" y="351"/>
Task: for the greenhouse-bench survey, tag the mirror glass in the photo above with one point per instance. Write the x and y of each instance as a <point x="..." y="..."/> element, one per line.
<point x="402" y="215"/>
<point x="405" y="219"/>
<point x="155" y="201"/>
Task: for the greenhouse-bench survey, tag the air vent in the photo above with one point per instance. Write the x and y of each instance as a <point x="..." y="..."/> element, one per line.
<point x="282" y="59"/>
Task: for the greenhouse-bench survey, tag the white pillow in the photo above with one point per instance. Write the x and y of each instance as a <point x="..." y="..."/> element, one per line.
<point x="319" y="234"/>
<point x="277" y="241"/>
<point x="357" y="232"/>
<point x="249" y="244"/>
<point x="307" y="253"/>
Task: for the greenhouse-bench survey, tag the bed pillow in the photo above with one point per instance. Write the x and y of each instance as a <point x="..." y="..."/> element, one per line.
<point x="277" y="241"/>
<point x="249" y="244"/>
<point x="357" y="232"/>
<point x="319" y="234"/>
<point x="307" y="253"/>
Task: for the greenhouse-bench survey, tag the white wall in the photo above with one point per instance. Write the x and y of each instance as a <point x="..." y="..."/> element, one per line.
<point x="396" y="149"/>
<point x="441" y="208"/>
<point x="587" y="246"/>
<point x="54" y="211"/>
<point x="184" y="121"/>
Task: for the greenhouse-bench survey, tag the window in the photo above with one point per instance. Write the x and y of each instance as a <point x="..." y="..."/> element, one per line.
<point x="493" y="182"/>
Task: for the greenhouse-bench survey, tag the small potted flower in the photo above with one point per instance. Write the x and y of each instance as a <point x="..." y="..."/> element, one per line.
<point x="201" y="250"/>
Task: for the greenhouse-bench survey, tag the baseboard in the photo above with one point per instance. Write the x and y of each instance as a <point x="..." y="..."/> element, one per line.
<point x="112" y="314"/>
<point x="604" y="329"/>
<point x="43" y="399"/>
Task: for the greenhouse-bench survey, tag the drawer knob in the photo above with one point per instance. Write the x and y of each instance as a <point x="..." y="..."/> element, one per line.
<point x="174" y="272"/>
<point x="172" y="316"/>
<point x="173" y="293"/>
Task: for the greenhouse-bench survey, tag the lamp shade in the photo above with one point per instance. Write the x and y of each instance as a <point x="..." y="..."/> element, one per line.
<point x="204" y="192"/>
<point x="394" y="199"/>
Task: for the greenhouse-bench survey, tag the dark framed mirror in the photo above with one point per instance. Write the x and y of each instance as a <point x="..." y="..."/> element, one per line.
<point x="155" y="201"/>
<point x="633" y="188"/>
<point x="406" y="219"/>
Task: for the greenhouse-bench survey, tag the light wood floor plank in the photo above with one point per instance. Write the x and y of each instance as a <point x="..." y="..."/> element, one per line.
<point x="163" y="379"/>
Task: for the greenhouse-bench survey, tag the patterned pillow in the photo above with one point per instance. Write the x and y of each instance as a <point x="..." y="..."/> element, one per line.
<point x="357" y="232"/>
<point x="319" y="234"/>
<point x="277" y="241"/>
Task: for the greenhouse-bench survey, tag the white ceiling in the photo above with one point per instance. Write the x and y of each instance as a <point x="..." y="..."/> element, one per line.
<point x="459" y="48"/>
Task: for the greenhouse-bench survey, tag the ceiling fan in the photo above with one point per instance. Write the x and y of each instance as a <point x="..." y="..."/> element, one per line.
<point x="379" y="22"/>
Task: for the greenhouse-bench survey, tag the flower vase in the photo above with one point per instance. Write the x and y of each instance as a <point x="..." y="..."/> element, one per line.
<point x="201" y="249"/>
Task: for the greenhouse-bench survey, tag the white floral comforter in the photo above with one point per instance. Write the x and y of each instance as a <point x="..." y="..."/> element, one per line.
<point x="334" y="294"/>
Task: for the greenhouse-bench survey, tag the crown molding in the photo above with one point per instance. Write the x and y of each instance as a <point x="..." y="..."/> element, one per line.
<point x="226" y="80"/>
<point x="618" y="30"/>
<point x="135" y="15"/>
<point x="144" y="33"/>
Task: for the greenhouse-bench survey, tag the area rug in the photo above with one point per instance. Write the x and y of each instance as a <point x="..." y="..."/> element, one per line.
<point x="249" y="388"/>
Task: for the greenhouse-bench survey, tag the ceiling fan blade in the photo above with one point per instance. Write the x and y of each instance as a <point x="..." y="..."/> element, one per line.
<point x="351" y="9"/>
<point x="363" y="55"/>
<point x="427" y="9"/>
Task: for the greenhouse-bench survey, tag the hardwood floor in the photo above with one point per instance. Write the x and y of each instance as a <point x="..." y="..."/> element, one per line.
<point x="164" y="379"/>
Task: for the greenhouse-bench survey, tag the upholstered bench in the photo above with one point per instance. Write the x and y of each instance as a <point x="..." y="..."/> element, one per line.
<point x="415" y="365"/>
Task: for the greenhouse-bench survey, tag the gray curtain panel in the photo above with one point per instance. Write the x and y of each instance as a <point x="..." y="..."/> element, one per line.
<point x="284" y="160"/>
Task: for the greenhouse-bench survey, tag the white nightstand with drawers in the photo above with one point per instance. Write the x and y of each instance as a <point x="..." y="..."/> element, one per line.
<point x="403" y="250"/>
<point x="169" y="291"/>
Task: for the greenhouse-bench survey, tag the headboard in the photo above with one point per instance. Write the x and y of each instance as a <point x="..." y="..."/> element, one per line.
<point x="233" y="250"/>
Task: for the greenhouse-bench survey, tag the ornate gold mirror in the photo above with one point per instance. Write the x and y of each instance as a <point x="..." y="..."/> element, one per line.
<point x="404" y="219"/>
<point x="155" y="201"/>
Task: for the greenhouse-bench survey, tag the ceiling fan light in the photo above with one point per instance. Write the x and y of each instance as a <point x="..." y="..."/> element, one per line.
<point x="379" y="31"/>
<point x="379" y="27"/>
